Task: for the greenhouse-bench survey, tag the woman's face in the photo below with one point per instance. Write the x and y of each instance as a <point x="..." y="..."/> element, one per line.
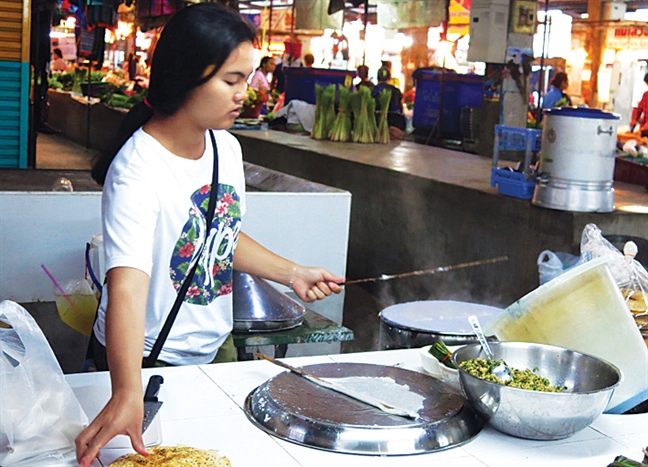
<point x="218" y="102"/>
<point x="269" y="66"/>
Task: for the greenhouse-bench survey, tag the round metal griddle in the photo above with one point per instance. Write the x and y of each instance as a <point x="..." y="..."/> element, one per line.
<point x="416" y="324"/>
<point x="294" y="409"/>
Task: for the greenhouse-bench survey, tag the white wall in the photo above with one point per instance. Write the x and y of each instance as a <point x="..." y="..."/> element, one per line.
<point x="52" y="228"/>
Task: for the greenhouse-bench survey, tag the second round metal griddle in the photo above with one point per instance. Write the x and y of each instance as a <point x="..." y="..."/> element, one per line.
<point x="294" y="409"/>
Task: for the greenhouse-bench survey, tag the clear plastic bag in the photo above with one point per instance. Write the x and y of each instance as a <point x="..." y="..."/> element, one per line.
<point x="628" y="273"/>
<point x="552" y="264"/>
<point x="39" y="414"/>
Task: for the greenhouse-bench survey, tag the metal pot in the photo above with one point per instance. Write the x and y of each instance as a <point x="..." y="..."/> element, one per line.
<point x="576" y="166"/>
<point x="416" y="324"/>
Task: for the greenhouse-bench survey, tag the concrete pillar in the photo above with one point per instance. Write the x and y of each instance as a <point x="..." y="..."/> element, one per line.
<point x="594" y="46"/>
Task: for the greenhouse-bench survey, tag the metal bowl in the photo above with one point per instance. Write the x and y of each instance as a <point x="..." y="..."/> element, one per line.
<point x="539" y="415"/>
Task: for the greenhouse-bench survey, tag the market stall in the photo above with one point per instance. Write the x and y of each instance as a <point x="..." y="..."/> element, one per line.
<point x="204" y="407"/>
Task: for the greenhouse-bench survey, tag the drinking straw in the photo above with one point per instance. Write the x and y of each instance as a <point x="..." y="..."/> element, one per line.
<point x="58" y="286"/>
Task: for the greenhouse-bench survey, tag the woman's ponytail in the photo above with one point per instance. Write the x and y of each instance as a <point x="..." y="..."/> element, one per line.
<point x="134" y="119"/>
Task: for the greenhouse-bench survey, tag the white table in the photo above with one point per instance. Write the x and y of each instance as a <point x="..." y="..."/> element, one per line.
<point x="203" y="408"/>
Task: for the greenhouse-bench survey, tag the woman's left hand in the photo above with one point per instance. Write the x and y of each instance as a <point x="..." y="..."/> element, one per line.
<point x="312" y="283"/>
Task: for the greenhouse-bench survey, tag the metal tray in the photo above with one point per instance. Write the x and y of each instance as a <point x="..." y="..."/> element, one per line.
<point x="294" y="409"/>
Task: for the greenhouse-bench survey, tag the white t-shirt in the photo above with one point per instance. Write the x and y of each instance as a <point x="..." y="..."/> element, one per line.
<point x="153" y="208"/>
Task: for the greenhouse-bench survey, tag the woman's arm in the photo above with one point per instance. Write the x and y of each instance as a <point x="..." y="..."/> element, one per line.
<point x="309" y="283"/>
<point x="127" y="290"/>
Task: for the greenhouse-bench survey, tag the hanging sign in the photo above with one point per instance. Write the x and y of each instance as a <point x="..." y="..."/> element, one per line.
<point x="629" y="37"/>
<point x="459" y="17"/>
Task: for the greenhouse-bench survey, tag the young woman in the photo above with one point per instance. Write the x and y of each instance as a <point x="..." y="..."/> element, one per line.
<point x="260" y="78"/>
<point x="157" y="183"/>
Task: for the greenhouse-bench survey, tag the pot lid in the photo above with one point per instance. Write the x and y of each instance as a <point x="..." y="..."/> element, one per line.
<point x="293" y="408"/>
<point x="438" y="316"/>
<point x="581" y="112"/>
<point x="255" y="300"/>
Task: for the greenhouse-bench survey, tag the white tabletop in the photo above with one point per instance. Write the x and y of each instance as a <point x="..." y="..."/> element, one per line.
<point x="203" y="408"/>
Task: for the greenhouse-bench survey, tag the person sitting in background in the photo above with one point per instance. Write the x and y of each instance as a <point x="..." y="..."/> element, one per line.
<point x="363" y="74"/>
<point x="260" y="77"/>
<point x="395" y="117"/>
<point x="640" y="113"/>
<point x="58" y="64"/>
<point x="309" y="59"/>
<point x="556" y="97"/>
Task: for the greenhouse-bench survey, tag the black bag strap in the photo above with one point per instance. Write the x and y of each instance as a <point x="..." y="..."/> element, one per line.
<point x="164" y="333"/>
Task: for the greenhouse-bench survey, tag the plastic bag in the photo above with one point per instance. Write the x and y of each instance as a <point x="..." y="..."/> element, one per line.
<point x="39" y="414"/>
<point x="628" y="273"/>
<point x="551" y="265"/>
<point x="77" y="305"/>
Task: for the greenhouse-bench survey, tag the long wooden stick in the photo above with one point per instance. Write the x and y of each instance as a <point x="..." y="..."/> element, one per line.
<point x="386" y="277"/>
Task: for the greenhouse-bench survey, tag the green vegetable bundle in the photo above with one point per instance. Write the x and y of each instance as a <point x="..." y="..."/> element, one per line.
<point x="324" y="111"/>
<point x="363" y="129"/>
<point x="382" y="133"/>
<point x="341" y="129"/>
<point x="438" y="350"/>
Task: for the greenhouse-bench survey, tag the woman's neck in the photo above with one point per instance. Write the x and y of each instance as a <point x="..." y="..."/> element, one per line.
<point x="177" y="135"/>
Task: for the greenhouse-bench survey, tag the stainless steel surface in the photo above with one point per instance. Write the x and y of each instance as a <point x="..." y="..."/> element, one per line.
<point x="574" y="196"/>
<point x="501" y="371"/>
<point x="295" y="409"/>
<point x="258" y="306"/>
<point x="577" y="163"/>
<point x="151" y="403"/>
<point x="416" y="324"/>
<point x="539" y="415"/>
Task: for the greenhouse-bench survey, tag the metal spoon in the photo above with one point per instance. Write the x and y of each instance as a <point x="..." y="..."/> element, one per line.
<point x="501" y="370"/>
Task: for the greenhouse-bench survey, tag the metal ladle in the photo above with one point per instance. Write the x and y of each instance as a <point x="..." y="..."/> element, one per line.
<point x="501" y="370"/>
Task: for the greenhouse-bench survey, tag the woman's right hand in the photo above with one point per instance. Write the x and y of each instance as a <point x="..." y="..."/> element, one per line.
<point x="122" y="415"/>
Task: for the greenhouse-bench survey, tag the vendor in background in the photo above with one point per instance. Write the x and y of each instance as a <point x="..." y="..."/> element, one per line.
<point x="309" y="59"/>
<point x="260" y="77"/>
<point x="363" y="74"/>
<point x="58" y="65"/>
<point x="395" y="117"/>
<point x="556" y="97"/>
<point x="640" y="113"/>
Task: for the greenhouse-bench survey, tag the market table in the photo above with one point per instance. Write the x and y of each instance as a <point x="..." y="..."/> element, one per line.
<point x="314" y="328"/>
<point x="203" y="408"/>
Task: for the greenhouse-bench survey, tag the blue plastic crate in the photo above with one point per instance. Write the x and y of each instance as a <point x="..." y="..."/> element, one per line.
<point x="511" y="183"/>
<point x="300" y="81"/>
<point x="516" y="139"/>
<point x="459" y="91"/>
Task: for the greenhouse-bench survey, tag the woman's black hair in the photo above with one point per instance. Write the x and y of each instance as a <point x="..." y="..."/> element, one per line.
<point x="383" y="74"/>
<point x="559" y="79"/>
<point x="264" y="60"/>
<point x="192" y="47"/>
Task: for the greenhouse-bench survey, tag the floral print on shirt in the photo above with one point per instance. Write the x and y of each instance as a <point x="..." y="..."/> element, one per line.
<point x="214" y="252"/>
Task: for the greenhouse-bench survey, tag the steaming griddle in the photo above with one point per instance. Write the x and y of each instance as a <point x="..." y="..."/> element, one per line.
<point x="294" y="409"/>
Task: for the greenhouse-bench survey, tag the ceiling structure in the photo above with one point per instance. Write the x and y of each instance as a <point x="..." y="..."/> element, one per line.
<point x="574" y="8"/>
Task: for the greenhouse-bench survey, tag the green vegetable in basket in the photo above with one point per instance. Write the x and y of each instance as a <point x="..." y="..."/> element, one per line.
<point x="439" y="350"/>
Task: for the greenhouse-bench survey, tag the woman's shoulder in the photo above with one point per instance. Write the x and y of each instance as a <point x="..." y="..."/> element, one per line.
<point x="227" y="141"/>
